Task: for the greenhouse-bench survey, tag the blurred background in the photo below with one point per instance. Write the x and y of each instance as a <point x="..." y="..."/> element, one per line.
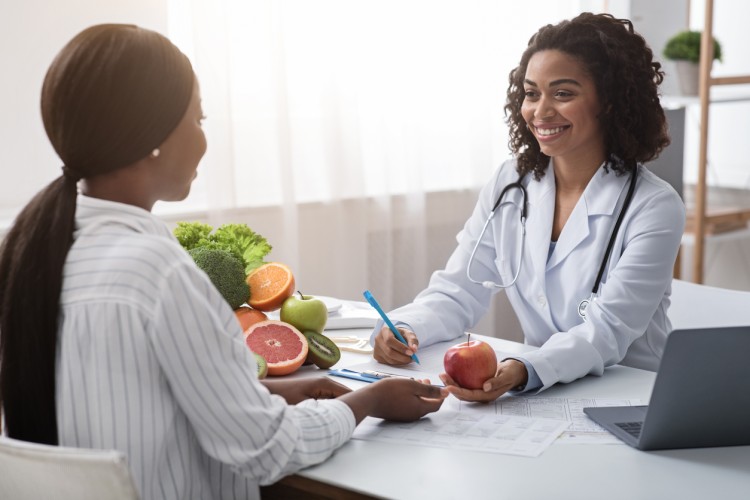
<point x="355" y="134"/>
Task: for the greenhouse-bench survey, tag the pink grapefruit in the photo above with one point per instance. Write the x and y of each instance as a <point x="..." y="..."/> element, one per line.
<point x="282" y="346"/>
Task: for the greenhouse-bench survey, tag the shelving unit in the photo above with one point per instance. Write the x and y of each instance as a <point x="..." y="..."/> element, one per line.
<point x="704" y="221"/>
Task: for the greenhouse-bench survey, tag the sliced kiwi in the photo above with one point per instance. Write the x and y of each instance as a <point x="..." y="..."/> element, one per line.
<point x="322" y="351"/>
<point x="262" y="366"/>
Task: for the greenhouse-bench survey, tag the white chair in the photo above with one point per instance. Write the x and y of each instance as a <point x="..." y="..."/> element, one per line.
<point x="30" y="471"/>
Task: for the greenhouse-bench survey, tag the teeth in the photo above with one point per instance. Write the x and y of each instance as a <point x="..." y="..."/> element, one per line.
<point x="549" y="131"/>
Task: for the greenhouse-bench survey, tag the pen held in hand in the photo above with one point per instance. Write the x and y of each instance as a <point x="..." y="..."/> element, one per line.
<point x="396" y="333"/>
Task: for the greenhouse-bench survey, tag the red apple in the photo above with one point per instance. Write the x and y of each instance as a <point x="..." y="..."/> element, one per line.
<point x="470" y="363"/>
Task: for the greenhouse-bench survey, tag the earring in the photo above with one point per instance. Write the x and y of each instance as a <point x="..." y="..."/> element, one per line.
<point x="155" y="153"/>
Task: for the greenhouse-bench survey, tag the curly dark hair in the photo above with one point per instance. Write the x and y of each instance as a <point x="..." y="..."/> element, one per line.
<point x="626" y="78"/>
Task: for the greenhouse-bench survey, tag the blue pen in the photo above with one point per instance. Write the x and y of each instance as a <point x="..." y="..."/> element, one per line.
<point x="374" y="303"/>
<point x="362" y="377"/>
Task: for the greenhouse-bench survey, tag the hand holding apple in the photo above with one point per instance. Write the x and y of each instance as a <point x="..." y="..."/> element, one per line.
<point x="304" y="312"/>
<point x="470" y="364"/>
<point x="511" y="373"/>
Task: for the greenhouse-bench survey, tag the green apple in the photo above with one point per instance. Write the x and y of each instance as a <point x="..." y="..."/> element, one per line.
<point x="304" y="312"/>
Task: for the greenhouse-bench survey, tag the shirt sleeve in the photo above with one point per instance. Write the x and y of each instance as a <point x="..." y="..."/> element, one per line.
<point x="533" y="383"/>
<point x="212" y="373"/>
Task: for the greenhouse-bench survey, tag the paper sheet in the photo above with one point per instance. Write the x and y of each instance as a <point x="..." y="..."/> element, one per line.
<point x="507" y="434"/>
<point x="582" y="429"/>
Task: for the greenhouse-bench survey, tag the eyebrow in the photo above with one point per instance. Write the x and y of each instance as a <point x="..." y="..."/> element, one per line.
<point x="554" y="83"/>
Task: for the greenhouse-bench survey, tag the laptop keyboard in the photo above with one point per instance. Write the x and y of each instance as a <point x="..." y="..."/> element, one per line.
<point x="632" y="428"/>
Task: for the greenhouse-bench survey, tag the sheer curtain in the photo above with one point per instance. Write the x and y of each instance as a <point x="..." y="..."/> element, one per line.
<point x="353" y="134"/>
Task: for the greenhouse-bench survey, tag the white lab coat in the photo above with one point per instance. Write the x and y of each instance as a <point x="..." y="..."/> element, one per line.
<point x="628" y="322"/>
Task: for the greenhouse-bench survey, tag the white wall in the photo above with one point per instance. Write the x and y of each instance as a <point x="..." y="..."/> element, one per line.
<point x="33" y="31"/>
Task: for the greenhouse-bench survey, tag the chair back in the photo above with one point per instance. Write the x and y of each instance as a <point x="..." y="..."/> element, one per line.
<point x="30" y="471"/>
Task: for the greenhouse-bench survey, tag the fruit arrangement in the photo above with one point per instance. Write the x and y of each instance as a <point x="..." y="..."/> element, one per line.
<point x="232" y="257"/>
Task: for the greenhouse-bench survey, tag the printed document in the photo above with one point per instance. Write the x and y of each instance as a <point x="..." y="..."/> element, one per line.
<point x="466" y="430"/>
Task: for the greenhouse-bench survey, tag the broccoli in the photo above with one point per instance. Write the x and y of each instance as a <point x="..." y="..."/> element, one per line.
<point x="225" y="271"/>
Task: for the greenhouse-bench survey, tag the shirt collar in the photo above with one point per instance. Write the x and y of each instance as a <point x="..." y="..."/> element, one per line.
<point x="603" y="191"/>
<point x="96" y="212"/>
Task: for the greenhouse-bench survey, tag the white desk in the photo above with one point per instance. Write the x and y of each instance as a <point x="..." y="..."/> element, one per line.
<point x="562" y="472"/>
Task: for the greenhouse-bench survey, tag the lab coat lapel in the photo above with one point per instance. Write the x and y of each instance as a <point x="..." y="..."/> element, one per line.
<point x="599" y="198"/>
<point x="539" y="226"/>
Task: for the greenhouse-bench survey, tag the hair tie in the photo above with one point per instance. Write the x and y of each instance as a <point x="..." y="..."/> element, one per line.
<point x="71" y="174"/>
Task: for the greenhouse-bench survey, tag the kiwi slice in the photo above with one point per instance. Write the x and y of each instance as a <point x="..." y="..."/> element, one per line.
<point x="322" y="351"/>
<point x="262" y="366"/>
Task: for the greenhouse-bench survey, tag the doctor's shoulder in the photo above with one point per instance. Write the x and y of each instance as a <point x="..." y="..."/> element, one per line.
<point x="655" y="197"/>
<point x="652" y="185"/>
<point x="504" y="174"/>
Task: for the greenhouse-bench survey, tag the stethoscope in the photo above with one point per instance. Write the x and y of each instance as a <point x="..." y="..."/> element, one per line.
<point x="583" y="305"/>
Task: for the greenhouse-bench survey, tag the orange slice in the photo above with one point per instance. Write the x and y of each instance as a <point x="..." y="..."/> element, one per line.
<point x="270" y="285"/>
<point x="248" y="316"/>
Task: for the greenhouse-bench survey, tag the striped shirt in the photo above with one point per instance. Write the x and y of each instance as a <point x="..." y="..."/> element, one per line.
<point x="151" y="362"/>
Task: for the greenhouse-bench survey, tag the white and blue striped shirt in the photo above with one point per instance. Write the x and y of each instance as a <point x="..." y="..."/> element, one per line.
<point x="151" y="362"/>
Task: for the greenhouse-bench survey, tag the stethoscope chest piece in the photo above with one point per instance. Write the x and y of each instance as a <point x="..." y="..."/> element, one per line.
<point x="583" y="305"/>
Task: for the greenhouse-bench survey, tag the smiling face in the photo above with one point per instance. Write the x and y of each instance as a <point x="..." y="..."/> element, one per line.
<point x="561" y="108"/>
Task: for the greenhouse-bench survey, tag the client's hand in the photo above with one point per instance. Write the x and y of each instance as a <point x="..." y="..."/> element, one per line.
<point x="397" y="399"/>
<point x="300" y="389"/>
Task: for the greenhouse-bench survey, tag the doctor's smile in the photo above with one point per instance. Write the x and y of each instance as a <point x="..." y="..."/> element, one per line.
<point x="547" y="133"/>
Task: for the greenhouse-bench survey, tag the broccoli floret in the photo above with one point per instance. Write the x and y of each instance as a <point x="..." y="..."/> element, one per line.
<point x="226" y="273"/>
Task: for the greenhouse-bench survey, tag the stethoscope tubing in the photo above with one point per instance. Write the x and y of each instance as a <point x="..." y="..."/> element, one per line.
<point x="492" y="284"/>
<point x="524" y="207"/>
<point x="615" y="230"/>
<point x="605" y="259"/>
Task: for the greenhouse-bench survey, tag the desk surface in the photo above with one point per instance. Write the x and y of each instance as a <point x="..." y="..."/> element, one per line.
<point x="563" y="471"/>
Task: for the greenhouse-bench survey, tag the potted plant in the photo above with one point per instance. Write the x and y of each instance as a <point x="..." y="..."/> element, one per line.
<point x="684" y="49"/>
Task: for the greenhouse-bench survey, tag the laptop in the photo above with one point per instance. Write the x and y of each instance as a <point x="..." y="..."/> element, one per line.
<point x="701" y="396"/>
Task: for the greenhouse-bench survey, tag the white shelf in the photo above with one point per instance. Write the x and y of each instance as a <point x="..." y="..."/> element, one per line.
<point x="719" y="94"/>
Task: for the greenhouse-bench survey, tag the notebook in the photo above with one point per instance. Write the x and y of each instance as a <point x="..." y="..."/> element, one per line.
<point x="701" y="396"/>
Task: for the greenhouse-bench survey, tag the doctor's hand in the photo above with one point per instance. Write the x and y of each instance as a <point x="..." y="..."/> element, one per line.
<point x="510" y="375"/>
<point x="389" y="350"/>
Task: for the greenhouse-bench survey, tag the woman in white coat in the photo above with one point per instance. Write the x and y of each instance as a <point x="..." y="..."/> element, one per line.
<point x="584" y="114"/>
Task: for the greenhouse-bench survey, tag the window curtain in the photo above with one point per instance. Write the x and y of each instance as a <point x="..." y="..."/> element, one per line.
<point x="353" y="134"/>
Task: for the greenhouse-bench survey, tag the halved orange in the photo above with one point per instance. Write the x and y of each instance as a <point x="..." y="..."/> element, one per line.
<point x="247" y="316"/>
<point x="270" y="285"/>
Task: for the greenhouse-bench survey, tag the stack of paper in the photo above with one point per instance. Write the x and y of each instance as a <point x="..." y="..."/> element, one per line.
<point x="352" y="315"/>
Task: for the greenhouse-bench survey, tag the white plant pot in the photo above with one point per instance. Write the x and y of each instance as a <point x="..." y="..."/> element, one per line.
<point x="687" y="76"/>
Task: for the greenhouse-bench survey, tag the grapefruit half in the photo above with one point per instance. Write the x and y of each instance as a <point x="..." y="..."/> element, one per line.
<point x="282" y="346"/>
